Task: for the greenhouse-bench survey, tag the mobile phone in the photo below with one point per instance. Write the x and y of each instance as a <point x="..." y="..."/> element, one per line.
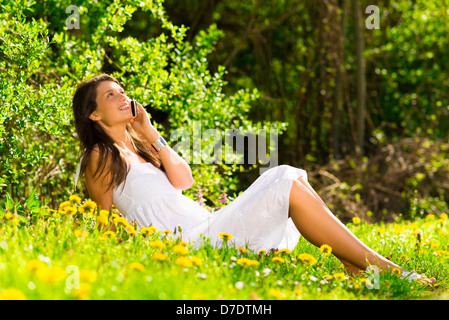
<point x="134" y="107"/>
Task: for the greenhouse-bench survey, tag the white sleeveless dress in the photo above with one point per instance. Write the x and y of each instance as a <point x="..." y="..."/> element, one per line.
<point x="257" y="218"/>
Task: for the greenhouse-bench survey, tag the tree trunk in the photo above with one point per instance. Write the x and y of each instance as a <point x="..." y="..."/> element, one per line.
<point x="361" y="77"/>
<point x="339" y="98"/>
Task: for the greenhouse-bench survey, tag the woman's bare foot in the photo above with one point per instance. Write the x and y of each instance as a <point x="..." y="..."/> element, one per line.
<point x="410" y="275"/>
<point x="421" y="278"/>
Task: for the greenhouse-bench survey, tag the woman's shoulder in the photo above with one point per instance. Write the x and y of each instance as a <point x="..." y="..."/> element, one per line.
<point x="98" y="158"/>
<point x="94" y="155"/>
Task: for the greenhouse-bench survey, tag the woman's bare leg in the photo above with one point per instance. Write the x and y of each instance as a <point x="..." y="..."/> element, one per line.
<point x="319" y="226"/>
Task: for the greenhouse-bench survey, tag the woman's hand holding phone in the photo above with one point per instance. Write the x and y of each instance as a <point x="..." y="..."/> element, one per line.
<point x="142" y="124"/>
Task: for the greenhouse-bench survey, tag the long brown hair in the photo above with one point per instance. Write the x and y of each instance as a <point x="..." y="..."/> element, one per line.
<point x="91" y="134"/>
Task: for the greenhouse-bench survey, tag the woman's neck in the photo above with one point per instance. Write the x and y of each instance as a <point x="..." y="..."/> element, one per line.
<point x="120" y="135"/>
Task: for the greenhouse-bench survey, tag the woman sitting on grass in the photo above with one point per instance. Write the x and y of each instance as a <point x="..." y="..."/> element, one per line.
<point x="127" y="163"/>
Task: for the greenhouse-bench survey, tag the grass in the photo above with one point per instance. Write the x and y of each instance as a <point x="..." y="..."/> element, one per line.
<point x="61" y="254"/>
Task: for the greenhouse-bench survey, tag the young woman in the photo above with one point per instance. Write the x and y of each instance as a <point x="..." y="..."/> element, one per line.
<point x="127" y="163"/>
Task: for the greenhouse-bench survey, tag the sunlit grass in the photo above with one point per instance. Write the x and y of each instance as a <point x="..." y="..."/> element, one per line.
<point x="61" y="254"/>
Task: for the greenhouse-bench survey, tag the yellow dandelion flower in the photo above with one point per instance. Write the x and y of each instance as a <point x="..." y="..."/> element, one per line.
<point x="356" y="220"/>
<point x="136" y="266"/>
<point x="103" y="217"/>
<point x="12" y="294"/>
<point x="380" y="231"/>
<point x="104" y="212"/>
<point x="296" y="292"/>
<point x="247" y="262"/>
<point x="115" y="215"/>
<point x="196" y="261"/>
<point x="326" y="249"/>
<point x="158" y="244"/>
<point x="107" y="234"/>
<point x="130" y="228"/>
<point x="159" y="256"/>
<point x="403" y="257"/>
<point x="414" y="226"/>
<point x="340" y="275"/>
<point x="69" y="210"/>
<point x="442" y="253"/>
<point x="327" y="277"/>
<point x="276" y="294"/>
<point x="88" y="275"/>
<point x="283" y="251"/>
<point x="103" y="220"/>
<point x="52" y="274"/>
<point x="121" y="221"/>
<point x="261" y="252"/>
<point x="242" y="250"/>
<point x="74" y="198"/>
<point x="64" y="204"/>
<point x="183" y="261"/>
<point x="252" y="263"/>
<point x="180" y="249"/>
<point x="443" y="216"/>
<point x="396" y="271"/>
<point x="225" y="236"/>
<point x="356" y="285"/>
<point x="434" y="245"/>
<point x="148" y="231"/>
<point x="277" y="259"/>
<point x="83" y="292"/>
<point x="11" y="216"/>
<point x="88" y="207"/>
<point x="397" y="228"/>
<point x="35" y="265"/>
<point x="183" y="243"/>
<point x="307" y="259"/>
<point x="166" y="232"/>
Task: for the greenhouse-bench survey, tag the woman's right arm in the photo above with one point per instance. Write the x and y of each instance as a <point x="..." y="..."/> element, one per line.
<point x="98" y="186"/>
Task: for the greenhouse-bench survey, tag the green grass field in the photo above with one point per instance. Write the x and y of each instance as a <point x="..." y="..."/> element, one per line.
<point x="61" y="254"/>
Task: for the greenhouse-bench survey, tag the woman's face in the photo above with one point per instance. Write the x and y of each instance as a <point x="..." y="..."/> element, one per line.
<point x="113" y="106"/>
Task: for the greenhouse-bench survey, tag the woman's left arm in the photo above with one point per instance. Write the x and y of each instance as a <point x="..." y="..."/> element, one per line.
<point x="177" y="169"/>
